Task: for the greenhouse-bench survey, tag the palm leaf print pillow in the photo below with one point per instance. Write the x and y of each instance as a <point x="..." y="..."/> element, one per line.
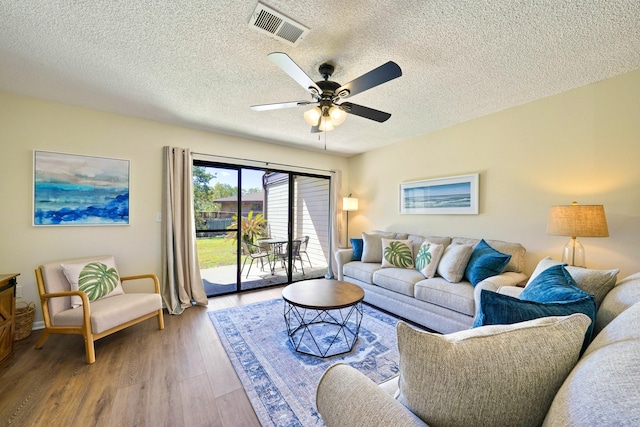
<point x="397" y="253"/>
<point x="97" y="278"/>
<point x="427" y="259"/>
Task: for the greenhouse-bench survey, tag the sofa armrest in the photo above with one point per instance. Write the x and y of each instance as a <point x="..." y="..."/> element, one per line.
<point x="343" y="256"/>
<point x="346" y="397"/>
<point x="495" y="283"/>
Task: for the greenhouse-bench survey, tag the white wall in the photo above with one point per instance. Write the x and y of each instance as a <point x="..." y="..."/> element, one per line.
<point x="582" y="145"/>
<point x="27" y="124"/>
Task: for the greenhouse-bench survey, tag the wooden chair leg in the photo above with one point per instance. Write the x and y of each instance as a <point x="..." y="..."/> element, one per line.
<point x="160" y="320"/>
<point x="43" y="337"/>
<point x="90" y="349"/>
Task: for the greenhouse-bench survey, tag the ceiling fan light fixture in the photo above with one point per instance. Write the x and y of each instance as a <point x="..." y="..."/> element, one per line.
<point x="326" y="125"/>
<point x="312" y="116"/>
<point x="338" y="116"/>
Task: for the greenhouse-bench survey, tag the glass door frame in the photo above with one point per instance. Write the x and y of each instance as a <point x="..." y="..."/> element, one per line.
<point x="290" y="211"/>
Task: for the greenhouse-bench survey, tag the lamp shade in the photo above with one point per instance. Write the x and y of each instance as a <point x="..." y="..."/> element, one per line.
<point x="349" y="204"/>
<point x="577" y="221"/>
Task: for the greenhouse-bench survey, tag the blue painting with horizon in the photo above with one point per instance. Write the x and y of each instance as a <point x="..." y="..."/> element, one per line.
<point x="80" y="190"/>
<point x="456" y="195"/>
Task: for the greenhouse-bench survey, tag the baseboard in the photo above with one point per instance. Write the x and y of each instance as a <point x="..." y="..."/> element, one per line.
<point x="38" y="325"/>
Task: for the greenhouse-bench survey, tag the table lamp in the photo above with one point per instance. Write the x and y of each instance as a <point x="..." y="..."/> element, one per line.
<point x="577" y="221"/>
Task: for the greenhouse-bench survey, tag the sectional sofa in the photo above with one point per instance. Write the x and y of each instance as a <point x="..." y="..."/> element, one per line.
<point x="444" y="302"/>
<point x="524" y="374"/>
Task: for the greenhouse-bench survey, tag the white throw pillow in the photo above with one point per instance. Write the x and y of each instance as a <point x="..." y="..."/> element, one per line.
<point x="397" y="253"/>
<point x="98" y="279"/>
<point x="372" y="246"/>
<point x="428" y="258"/>
<point x="488" y="376"/>
<point x="454" y="262"/>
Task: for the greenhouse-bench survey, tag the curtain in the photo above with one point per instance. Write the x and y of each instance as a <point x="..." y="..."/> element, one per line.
<point x="336" y="222"/>
<point x="181" y="281"/>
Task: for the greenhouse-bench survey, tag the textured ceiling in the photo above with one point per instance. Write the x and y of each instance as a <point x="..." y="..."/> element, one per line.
<point x="198" y="64"/>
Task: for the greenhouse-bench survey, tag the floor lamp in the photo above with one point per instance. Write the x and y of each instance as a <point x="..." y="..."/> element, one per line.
<point x="349" y="204"/>
<point x="577" y="221"/>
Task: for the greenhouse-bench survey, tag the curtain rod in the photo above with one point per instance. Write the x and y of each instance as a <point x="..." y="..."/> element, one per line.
<point x="262" y="162"/>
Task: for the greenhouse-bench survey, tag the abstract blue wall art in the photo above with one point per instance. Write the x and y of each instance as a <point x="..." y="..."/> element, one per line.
<point x="71" y="189"/>
<point x="452" y="195"/>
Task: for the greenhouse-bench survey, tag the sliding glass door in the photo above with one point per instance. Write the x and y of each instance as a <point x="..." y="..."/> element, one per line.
<point x="258" y="228"/>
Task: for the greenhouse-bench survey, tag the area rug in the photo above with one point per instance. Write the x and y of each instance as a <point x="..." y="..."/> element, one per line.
<point x="281" y="383"/>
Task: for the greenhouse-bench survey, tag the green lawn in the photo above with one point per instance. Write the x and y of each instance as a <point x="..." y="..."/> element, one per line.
<point x="216" y="252"/>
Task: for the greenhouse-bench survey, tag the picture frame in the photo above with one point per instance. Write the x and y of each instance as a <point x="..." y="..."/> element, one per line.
<point x="79" y="190"/>
<point x="450" y="195"/>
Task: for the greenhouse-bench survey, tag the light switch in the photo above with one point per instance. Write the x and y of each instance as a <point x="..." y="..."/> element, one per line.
<point x="158" y="217"/>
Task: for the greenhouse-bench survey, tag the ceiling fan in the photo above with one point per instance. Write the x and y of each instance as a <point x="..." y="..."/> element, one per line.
<point x="326" y="95"/>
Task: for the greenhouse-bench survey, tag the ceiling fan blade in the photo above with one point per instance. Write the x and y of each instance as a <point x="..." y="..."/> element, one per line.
<point x="366" y="112"/>
<point x="373" y="78"/>
<point x="280" y="105"/>
<point x="283" y="61"/>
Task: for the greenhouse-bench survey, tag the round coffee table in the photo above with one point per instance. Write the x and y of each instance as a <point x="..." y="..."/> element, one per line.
<point x="322" y="315"/>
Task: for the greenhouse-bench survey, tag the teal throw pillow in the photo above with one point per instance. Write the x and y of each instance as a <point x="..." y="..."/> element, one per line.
<point x="357" y="244"/>
<point x="499" y="309"/>
<point x="485" y="262"/>
<point x="552" y="285"/>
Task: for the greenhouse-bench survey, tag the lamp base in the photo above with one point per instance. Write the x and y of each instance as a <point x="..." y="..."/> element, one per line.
<point x="573" y="253"/>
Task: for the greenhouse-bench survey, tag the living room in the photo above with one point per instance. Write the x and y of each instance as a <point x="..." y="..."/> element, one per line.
<point x="579" y="145"/>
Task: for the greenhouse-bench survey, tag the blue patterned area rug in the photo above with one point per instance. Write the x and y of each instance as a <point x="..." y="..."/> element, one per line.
<point x="280" y="382"/>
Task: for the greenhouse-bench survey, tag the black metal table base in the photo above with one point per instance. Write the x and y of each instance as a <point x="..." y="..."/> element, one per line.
<point x="305" y="324"/>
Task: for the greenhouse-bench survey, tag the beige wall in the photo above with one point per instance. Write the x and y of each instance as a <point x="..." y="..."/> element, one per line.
<point x="582" y="145"/>
<point x="27" y="124"/>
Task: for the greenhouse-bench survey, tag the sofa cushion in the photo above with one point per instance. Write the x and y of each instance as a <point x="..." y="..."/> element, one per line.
<point x="359" y="270"/>
<point x="98" y="279"/>
<point x="428" y="257"/>
<point x="485" y="262"/>
<point x="108" y="313"/>
<point x="454" y="261"/>
<point x="356" y="244"/>
<point x="453" y="296"/>
<point x="602" y="389"/>
<point x="372" y="246"/>
<point x="499" y="309"/>
<point x="401" y="280"/>
<point x="491" y="376"/>
<point x="397" y="253"/>
<point x="596" y="282"/>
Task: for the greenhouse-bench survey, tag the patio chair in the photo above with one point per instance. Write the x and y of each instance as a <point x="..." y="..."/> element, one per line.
<point x="253" y="253"/>
<point x="303" y="247"/>
<point x="106" y="304"/>
<point x="295" y="255"/>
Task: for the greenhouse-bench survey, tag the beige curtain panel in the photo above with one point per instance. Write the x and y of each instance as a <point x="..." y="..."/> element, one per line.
<point x="181" y="281"/>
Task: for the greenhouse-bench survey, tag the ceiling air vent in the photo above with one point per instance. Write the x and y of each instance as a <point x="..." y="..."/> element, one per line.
<point x="267" y="20"/>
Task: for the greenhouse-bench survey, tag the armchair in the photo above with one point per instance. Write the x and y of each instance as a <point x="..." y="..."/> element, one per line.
<point x="94" y="317"/>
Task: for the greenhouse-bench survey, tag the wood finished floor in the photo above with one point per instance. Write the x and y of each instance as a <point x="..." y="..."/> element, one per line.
<point x="180" y="376"/>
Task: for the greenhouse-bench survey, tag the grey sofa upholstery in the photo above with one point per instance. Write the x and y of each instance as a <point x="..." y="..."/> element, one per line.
<point x="601" y="389"/>
<point x="434" y="303"/>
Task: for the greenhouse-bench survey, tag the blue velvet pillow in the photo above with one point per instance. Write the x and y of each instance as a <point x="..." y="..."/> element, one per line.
<point x="499" y="309"/>
<point x="357" y="245"/>
<point x="485" y="262"/>
<point x="553" y="285"/>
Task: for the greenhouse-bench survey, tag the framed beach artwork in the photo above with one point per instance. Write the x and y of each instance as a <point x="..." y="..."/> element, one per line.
<point x="71" y="189"/>
<point x="452" y="195"/>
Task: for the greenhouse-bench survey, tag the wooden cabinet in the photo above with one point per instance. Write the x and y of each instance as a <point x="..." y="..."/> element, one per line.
<point x="7" y="316"/>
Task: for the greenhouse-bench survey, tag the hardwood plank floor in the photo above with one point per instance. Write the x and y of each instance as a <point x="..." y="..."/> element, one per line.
<point x="180" y="376"/>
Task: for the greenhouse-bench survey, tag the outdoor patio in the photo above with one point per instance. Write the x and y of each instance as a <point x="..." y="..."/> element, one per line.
<point x="221" y="280"/>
